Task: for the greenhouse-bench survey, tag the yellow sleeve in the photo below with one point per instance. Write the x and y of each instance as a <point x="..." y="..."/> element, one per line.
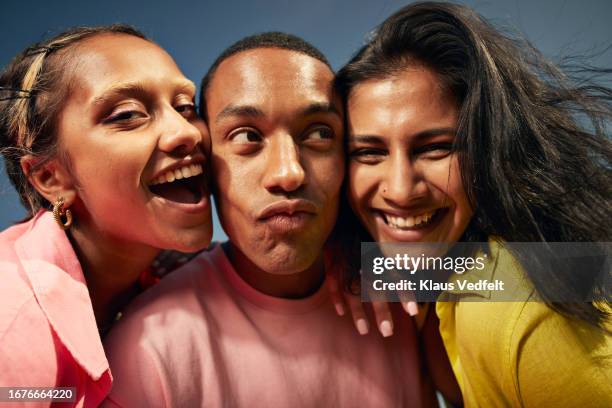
<point x="560" y="362"/>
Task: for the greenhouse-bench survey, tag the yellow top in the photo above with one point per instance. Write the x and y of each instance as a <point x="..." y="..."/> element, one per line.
<point x="522" y="353"/>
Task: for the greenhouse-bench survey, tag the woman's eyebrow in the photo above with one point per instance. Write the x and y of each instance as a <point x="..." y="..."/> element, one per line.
<point x="369" y="139"/>
<point x="426" y="134"/>
<point x="186" y="86"/>
<point x="119" y="90"/>
<point x="136" y="88"/>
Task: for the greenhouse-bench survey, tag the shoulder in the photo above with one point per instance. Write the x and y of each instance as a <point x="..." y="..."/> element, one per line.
<point x="8" y="238"/>
<point x="483" y="321"/>
<point x="16" y="294"/>
<point x="560" y="361"/>
<point x="174" y="293"/>
<point x="28" y="346"/>
<point x="165" y="303"/>
<point x="526" y="348"/>
<point x="147" y="347"/>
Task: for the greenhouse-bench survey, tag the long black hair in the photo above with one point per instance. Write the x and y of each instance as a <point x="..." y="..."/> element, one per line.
<point x="534" y="155"/>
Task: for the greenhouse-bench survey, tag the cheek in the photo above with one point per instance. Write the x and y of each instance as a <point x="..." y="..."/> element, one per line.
<point x="455" y="186"/>
<point x="362" y="186"/>
<point x="446" y="177"/>
<point x="441" y="176"/>
<point x="362" y="193"/>
<point x="233" y="180"/>
<point x="113" y="172"/>
<point x="329" y="174"/>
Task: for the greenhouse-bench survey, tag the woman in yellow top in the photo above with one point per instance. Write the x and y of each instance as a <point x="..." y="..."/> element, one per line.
<point x="457" y="133"/>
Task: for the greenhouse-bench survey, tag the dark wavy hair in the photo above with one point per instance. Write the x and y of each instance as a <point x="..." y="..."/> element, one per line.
<point x="534" y="155"/>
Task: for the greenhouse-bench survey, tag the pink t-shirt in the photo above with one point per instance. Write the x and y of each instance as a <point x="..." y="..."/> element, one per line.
<point x="48" y="332"/>
<point x="204" y="337"/>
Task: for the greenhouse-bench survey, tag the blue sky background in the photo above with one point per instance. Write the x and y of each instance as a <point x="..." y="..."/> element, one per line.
<point x="195" y="32"/>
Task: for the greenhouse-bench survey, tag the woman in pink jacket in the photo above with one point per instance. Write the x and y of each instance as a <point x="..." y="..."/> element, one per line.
<point x="101" y="140"/>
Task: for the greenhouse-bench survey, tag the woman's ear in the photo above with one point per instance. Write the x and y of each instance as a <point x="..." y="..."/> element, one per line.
<point x="51" y="179"/>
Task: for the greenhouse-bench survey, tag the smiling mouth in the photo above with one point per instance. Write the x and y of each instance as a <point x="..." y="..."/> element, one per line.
<point x="183" y="185"/>
<point x="409" y="223"/>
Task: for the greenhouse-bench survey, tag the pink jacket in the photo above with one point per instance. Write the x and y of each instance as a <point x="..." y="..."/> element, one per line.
<point x="48" y="332"/>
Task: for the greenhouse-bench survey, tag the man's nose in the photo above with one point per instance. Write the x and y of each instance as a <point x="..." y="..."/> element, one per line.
<point x="284" y="171"/>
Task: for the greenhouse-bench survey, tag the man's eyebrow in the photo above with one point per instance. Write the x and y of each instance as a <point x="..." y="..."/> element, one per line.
<point x="314" y="108"/>
<point x="239" y="110"/>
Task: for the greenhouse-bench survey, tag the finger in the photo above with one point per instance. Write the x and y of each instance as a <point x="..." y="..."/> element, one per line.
<point x="359" y="316"/>
<point x="422" y="317"/>
<point x="384" y="320"/>
<point x="411" y="307"/>
<point x="409" y="303"/>
<point x="337" y="298"/>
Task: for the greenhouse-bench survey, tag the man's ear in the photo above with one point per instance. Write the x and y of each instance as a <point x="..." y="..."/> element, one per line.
<point x="51" y="179"/>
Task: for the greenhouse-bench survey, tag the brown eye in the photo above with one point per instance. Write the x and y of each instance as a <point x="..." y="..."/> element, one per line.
<point x="246" y="136"/>
<point x="126" y="113"/>
<point x="319" y="133"/>
<point x="125" y="116"/>
<point x="367" y="155"/>
<point x="188" y="110"/>
<point x="186" y="107"/>
<point x="435" y="151"/>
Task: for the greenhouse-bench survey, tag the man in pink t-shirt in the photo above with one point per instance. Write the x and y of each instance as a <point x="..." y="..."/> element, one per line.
<point x="249" y="323"/>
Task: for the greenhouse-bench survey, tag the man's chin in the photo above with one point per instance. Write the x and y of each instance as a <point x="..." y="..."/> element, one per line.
<point x="286" y="260"/>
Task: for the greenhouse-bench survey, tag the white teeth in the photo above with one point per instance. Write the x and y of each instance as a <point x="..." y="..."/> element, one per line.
<point x="190" y="170"/>
<point x="408" y="222"/>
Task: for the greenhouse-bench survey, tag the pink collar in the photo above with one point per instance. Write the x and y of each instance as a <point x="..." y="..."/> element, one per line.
<point x="51" y="265"/>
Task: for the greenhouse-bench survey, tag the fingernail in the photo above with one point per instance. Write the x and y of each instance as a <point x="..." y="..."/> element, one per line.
<point x="362" y="326"/>
<point x="386" y="328"/>
<point x="413" y="308"/>
<point x="339" y="309"/>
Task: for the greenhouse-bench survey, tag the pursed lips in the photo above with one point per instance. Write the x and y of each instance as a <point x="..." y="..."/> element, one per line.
<point x="287" y="208"/>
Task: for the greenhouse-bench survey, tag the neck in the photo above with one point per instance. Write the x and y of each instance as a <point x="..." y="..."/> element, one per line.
<point x="111" y="268"/>
<point x="292" y="286"/>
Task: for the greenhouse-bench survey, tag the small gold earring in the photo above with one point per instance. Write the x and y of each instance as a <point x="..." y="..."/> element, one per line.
<point x="58" y="212"/>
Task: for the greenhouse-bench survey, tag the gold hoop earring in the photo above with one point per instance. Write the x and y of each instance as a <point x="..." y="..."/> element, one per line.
<point x="58" y="212"/>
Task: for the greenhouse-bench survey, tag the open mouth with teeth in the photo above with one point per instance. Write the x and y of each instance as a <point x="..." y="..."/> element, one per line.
<point x="412" y="222"/>
<point x="183" y="185"/>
